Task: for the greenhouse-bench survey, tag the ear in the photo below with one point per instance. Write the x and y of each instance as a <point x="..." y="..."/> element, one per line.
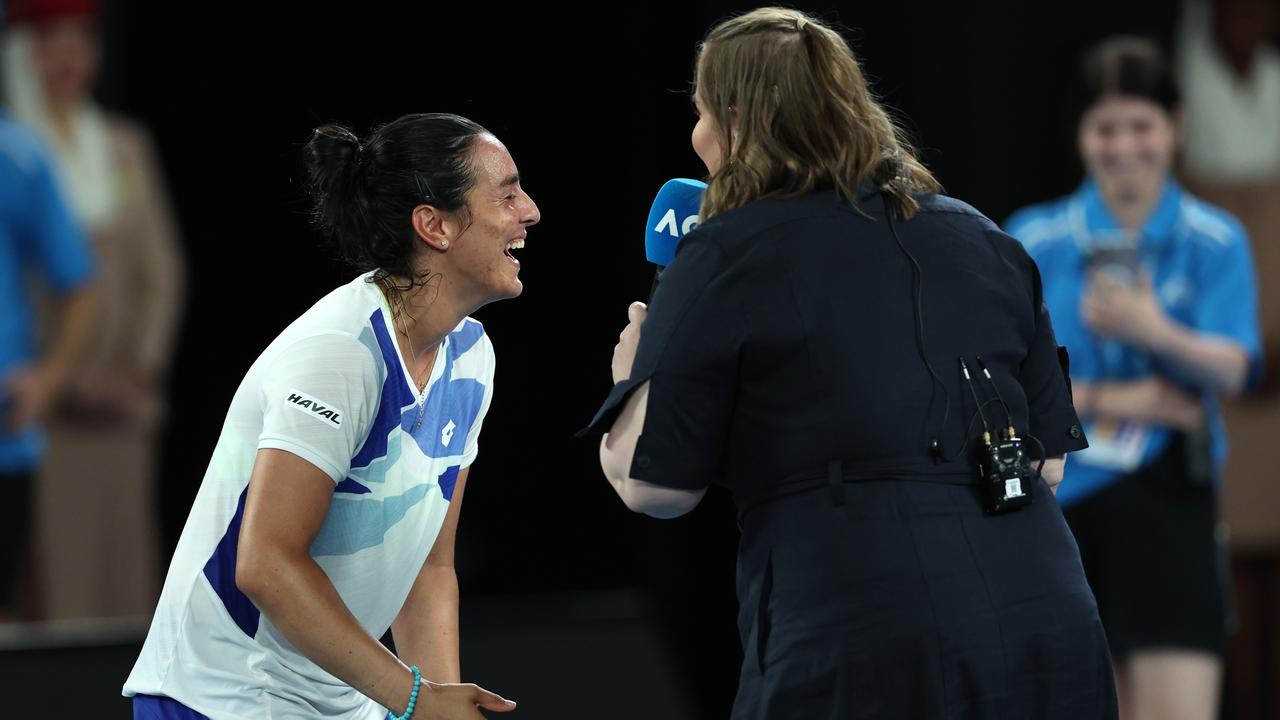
<point x="433" y="227"/>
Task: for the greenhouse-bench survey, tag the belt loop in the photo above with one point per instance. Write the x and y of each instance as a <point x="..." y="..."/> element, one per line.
<point x="835" y="483"/>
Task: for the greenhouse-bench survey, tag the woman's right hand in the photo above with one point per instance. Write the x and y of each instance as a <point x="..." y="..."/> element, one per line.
<point x="457" y="701"/>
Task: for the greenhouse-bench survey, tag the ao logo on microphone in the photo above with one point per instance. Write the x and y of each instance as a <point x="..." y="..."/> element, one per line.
<point x="673" y="215"/>
<point x="669" y="224"/>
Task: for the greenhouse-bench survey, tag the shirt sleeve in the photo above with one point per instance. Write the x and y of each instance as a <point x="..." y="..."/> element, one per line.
<point x="319" y="397"/>
<point x="688" y="353"/>
<point x="1044" y="376"/>
<point x="1227" y="302"/>
<point x="57" y="244"/>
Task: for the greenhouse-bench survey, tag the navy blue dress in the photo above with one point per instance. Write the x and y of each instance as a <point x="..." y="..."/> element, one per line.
<point x="782" y="357"/>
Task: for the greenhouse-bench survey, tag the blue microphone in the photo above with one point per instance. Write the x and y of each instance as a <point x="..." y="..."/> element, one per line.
<point x="674" y="214"/>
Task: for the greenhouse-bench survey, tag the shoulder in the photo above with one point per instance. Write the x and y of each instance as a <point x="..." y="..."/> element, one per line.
<point x="947" y="206"/>
<point x="123" y="127"/>
<point x="752" y="220"/>
<point x="470" y="351"/>
<point x="958" y="218"/>
<point x="971" y="222"/>
<point x="1209" y="225"/>
<point x="129" y="137"/>
<point x="339" y="329"/>
<point x="323" y="349"/>
<point x="21" y="150"/>
<point x="469" y="338"/>
<point x="1044" y="225"/>
<point x="740" y="237"/>
<point x="349" y="308"/>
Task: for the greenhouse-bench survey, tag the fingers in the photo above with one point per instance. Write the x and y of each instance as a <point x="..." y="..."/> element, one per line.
<point x="1090" y="311"/>
<point x="491" y="701"/>
<point x="637" y="312"/>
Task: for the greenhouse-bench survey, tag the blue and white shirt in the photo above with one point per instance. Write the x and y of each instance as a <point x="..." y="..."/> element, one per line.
<point x="333" y="390"/>
<point x="1199" y="260"/>
<point x="39" y="236"/>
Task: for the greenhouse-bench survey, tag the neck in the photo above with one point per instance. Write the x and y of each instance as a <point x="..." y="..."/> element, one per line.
<point x="1132" y="211"/>
<point x="424" y="315"/>
<point x="60" y="115"/>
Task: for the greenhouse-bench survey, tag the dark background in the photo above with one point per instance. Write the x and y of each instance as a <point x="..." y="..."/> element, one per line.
<point x="593" y="105"/>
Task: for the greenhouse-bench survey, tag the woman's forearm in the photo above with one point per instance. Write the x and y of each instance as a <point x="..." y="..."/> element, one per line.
<point x="300" y="600"/>
<point x="1218" y="365"/>
<point x="619" y="444"/>
<point x="426" y="630"/>
<point x="1152" y="401"/>
<point x="618" y="447"/>
<point x="79" y="309"/>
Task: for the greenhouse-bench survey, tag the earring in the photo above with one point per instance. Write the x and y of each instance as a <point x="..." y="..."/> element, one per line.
<point x="444" y="243"/>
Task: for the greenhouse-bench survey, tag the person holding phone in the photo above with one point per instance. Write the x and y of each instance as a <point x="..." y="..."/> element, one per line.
<point x="1153" y="293"/>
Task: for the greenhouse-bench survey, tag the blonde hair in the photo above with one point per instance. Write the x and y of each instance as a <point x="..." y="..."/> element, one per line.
<point x="795" y="113"/>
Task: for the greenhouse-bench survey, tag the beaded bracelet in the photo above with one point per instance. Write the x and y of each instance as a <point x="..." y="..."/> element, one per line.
<point x="413" y="697"/>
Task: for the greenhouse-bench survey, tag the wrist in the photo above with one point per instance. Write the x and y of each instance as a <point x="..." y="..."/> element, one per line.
<point x="411" y="695"/>
<point x="1161" y="335"/>
<point x="1084" y="398"/>
<point x="52" y="372"/>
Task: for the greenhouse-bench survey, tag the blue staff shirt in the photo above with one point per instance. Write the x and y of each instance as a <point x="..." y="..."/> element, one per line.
<point x="1199" y="260"/>
<point x="37" y="235"/>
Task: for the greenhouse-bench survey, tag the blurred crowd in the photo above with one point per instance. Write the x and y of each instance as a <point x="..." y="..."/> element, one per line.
<point x="92" y="292"/>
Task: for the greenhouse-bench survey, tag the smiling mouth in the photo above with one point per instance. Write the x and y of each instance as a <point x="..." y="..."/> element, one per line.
<point x="516" y="244"/>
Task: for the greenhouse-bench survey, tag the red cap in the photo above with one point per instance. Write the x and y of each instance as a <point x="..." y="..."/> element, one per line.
<point x="40" y="11"/>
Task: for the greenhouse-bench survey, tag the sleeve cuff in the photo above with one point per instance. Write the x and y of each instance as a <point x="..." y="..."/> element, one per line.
<point x="609" y="410"/>
<point x="304" y="452"/>
<point x="1060" y="434"/>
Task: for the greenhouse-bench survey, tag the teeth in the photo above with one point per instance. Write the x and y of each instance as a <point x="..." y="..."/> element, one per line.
<point x="515" y="245"/>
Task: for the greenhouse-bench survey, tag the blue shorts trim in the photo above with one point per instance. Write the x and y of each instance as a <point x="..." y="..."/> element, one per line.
<point x="152" y="707"/>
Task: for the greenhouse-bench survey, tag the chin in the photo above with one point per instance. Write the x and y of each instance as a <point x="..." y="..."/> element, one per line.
<point x="509" y="290"/>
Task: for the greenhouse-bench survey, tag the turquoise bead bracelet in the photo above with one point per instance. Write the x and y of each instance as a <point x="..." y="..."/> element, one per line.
<point x="413" y="697"/>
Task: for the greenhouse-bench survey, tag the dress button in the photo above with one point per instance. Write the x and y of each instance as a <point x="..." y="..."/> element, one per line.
<point x="642" y="461"/>
<point x="1074" y="431"/>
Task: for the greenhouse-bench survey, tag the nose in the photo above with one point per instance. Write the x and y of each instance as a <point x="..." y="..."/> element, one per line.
<point x="530" y="214"/>
<point x="1123" y="144"/>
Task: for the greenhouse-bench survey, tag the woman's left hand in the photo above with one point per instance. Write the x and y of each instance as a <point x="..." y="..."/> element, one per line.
<point x="1112" y="308"/>
<point x="624" y="353"/>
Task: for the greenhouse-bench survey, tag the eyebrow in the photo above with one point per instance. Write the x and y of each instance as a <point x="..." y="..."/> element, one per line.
<point x="513" y="180"/>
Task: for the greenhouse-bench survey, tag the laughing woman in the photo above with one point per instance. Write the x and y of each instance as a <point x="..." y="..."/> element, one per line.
<point x="328" y="511"/>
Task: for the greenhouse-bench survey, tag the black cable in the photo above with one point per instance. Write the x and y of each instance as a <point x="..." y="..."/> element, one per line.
<point x="1043" y="455"/>
<point x="964" y="369"/>
<point x="967" y="434"/>
<point x="917" y="283"/>
<point x="1008" y="416"/>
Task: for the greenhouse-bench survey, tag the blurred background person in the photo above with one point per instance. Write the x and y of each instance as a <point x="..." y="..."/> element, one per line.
<point x="97" y="532"/>
<point x="38" y="240"/>
<point x="1153" y="292"/>
<point x="1229" y="70"/>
